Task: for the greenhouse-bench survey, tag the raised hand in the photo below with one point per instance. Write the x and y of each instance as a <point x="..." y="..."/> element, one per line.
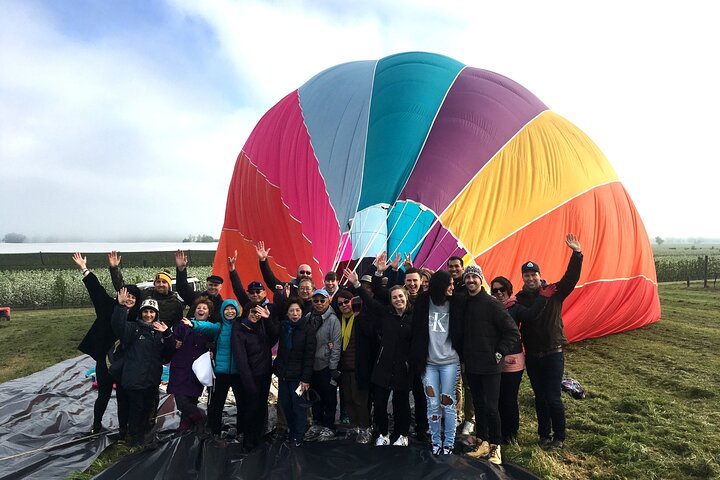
<point x="231" y="262"/>
<point x="407" y="263"/>
<point x="395" y="264"/>
<point x="381" y="261"/>
<point x="262" y="311"/>
<point x="572" y="242"/>
<point x="159" y="326"/>
<point x="79" y="260"/>
<point x="122" y="296"/>
<point x="261" y="252"/>
<point x="351" y="276"/>
<point x="186" y="322"/>
<point x="114" y="259"/>
<point x="181" y="260"/>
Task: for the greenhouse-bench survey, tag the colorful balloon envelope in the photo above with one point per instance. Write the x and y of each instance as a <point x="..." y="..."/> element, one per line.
<point x="419" y="154"/>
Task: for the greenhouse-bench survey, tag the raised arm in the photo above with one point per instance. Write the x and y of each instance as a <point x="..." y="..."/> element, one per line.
<point x="268" y="276"/>
<point x="237" y="285"/>
<point x="121" y="327"/>
<point x="115" y="273"/>
<point x="376" y="308"/>
<point x="572" y="275"/>
<point x="98" y="295"/>
<point x="181" y="278"/>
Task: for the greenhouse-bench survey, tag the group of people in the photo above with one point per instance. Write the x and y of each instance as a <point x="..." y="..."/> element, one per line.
<point x="388" y="333"/>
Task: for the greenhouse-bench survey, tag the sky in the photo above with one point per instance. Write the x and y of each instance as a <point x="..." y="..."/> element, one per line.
<point x="122" y="120"/>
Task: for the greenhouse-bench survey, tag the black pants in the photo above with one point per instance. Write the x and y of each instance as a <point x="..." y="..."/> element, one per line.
<point x="140" y="405"/>
<point x="324" y="409"/>
<point x="104" y="391"/>
<point x="223" y="383"/>
<point x="508" y="404"/>
<point x="401" y="410"/>
<point x="190" y="414"/>
<point x="252" y="407"/>
<point x="485" y="391"/>
<point x="421" y="420"/>
<point x="545" y="375"/>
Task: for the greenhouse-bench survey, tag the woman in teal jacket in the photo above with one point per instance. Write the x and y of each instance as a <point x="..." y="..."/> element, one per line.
<point x="226" y="372"/>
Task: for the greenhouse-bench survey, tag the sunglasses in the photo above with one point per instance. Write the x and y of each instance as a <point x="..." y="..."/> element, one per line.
<point x="496" y="290"/>
<point x="343" y="302"/>
<point x="255" y="292"/>
<point x="305" y="272"/>
<point x="319" y="300"/>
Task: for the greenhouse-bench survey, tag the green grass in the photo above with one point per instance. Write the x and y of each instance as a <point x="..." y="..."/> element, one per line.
<point x="652" y="410"/>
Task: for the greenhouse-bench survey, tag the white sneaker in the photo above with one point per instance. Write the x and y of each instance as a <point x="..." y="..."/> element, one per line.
<point x="467" y="428"/>
<point x="364" y="436"/>
<point x="495" y="456"/>
<point x="402" y="441"/>
<point x="382" y="440"/>
<point x="312" y="433"/>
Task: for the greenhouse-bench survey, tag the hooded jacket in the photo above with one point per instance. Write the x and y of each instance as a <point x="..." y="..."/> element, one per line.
<point x="328" y="338"/>
<point x="222" y="333"/>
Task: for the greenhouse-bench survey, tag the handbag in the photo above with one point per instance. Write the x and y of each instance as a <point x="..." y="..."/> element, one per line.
<point x="202" y="367"/>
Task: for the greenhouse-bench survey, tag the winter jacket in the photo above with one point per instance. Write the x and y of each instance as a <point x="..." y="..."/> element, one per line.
<point x="391" y="369"/>
<point x="252" y="348"/>
<point x="182" y="378"/>
<point x="545" y="332"/>
<point x="487" y="329"/>
<point x="296" y="350"/>
<point x="271" y="280"/>
<point x="189" y="295"/>
<point x="421" y="334"/>
<point x="328" y="339"/>
<point x="222" y="333"/>
<point x="171" y="308"/>
<point x="145" y="351"/>
<point x="100" y="338"/>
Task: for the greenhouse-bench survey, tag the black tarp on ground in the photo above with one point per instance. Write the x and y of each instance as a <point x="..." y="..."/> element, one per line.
<point x="190" y="457"/>
<point x="45" y="419"/>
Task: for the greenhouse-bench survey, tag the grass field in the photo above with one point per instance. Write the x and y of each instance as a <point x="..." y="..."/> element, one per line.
<point x="652" y="411"/>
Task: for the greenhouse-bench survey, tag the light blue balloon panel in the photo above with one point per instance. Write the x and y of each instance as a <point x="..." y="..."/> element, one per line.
<point x="407" y="225"/>
<point x="369" y="231"/>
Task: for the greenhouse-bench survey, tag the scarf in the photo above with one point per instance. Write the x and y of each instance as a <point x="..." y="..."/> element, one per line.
<point x="288" y="327"/>
<point x="510" y="302"/>
<point x="347" y="325"/>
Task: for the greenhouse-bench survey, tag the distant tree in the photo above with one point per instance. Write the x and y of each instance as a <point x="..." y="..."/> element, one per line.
<point x="14" y="238"/>
<point x="199" y="238"/>
<point x="659" y="240"/>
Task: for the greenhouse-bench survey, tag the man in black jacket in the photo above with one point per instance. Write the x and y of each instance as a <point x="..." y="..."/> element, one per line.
<point x="303" y="271"/>
<point x="489" y="333"/>
<point x="544" y="339"/>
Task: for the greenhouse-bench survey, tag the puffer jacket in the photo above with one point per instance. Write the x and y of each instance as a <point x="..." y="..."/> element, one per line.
<point x="222" y="333"/>
<point x="328" y="339"/>
<point x="145" y="351"/>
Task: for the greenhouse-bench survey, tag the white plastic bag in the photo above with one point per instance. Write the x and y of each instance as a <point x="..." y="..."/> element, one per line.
<point x="203" y="369"/>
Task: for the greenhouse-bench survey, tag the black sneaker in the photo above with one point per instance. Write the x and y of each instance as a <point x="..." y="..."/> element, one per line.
<point x="545" y="442"/>
<point x="556" y="445"/>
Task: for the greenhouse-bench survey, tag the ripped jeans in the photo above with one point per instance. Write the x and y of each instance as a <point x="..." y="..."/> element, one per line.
<point x="439" y="382"/>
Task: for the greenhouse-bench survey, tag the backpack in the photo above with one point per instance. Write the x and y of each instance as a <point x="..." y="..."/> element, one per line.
<point x="573" y="387"/>
<point x="115" y="359"/>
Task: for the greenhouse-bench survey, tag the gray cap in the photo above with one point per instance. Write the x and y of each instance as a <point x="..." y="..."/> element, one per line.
<point x="472" y="270"/>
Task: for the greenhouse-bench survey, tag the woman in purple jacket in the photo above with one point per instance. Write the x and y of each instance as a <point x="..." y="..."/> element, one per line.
<point x="183" y="383"/>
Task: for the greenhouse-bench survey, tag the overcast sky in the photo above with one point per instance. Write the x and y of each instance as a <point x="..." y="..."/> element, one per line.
<point x="123" y="119"/>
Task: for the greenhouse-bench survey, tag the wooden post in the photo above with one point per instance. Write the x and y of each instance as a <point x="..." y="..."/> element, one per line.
<point x="705" y="275"/>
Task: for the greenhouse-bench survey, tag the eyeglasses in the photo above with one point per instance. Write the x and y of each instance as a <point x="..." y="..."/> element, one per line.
<point x="255" y="292"/>
<point x="319" y="300"/>
<point x="343" y="302"/>
<point x="496" y="290"/>
<point x="305" y="272"/>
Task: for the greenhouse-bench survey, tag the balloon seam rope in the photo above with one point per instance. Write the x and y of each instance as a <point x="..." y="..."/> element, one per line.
<point x="437" y="112"/>
<point x="489" y="162"/>
<point x="372" y="239"/>
<point x="437" y="243"/>
<point x="543" y="215"/>
<point x="405" y="204"/>
<point x="406" y="234"/>
<point x="619" y="279"/>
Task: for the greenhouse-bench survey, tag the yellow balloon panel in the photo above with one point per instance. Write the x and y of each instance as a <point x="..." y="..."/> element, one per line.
<point x="546" y="164"/>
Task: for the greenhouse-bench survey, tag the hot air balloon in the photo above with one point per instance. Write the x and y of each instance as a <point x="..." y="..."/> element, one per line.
<point x="418" y="153"/>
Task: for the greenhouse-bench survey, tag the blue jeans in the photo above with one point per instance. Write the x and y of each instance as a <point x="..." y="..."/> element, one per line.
<point x="545" y="375"/>
<point x="441" y="380"/>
